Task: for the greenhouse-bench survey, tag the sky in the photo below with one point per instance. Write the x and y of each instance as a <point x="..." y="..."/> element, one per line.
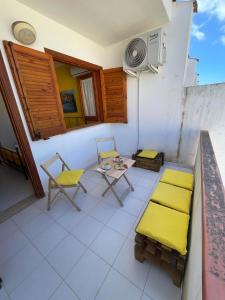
<point x="208" y="41"/>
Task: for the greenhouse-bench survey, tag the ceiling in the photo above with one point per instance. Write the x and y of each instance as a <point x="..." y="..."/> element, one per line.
<point x="104" y="21"/>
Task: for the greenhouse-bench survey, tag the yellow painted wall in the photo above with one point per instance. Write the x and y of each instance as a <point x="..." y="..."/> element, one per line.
<point x="67" y="82"/>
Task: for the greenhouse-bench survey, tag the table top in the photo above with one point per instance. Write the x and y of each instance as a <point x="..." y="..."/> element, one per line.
<point x="113" y="172"/>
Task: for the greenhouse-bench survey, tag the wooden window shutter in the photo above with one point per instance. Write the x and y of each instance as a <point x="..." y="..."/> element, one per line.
<point x="114" y="95"/>
<point x="36" y="83"/>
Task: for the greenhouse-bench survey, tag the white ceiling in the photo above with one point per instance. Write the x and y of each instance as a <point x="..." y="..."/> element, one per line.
<point x="104" y="21"/>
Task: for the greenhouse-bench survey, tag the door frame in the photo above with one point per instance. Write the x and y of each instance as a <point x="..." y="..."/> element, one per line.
<point x="17" y="124"/>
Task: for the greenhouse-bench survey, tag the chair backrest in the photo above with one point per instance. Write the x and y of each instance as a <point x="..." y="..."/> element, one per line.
<point x="103" y="140"/>
<point x="45" y="166"/>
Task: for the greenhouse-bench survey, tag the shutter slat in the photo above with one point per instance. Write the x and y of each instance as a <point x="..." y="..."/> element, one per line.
<point x="36" y="83"/>
<point x="114" y="95"/>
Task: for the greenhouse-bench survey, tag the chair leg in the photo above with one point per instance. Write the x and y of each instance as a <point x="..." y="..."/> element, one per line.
<point x="71" y="199"/>
<point x="83" y="188"/>
<point x="49" y="197"/>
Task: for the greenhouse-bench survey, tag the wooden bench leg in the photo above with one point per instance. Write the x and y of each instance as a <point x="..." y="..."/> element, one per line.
<point x="177" y="277"/>
<point x="138" y="253"/>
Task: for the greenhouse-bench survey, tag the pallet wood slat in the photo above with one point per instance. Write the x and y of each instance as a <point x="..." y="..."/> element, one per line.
<point x="148" y="163"/>
<point x="154" y="251"/>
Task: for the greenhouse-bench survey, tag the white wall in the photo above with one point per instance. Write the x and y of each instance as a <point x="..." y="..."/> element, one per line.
<point x="7" y="136"/>
<point x="160" y="94"/>
<point x="204" y="110"/>
<point x="77" y="147"/>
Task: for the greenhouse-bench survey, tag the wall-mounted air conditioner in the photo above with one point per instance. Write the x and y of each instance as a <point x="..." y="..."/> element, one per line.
<point x="75" y="71"/>
<point x="145" y="53"/>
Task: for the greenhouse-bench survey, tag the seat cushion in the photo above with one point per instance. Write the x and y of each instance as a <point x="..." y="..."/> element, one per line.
<point x="108" y="154"/>
<point x="148" y="154"/>
<point x="165" y="225"/>
<point x="70" y="177"/>
<point x="178" y="178"/>
<point x="172" y="196"/>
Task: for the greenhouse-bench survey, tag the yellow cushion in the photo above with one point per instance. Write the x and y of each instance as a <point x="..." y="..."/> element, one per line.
<point x="69" y="177"/>
<point x="172" y="196"/>
<point x="108" y="154"/>
<point x="178" y="178"/>
<point x="165" y="225"/>
<point x="148" y="154"/>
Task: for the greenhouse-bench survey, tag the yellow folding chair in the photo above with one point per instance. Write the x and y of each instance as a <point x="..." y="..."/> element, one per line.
<point x="66" y="179"/>
<point x="106" y="154"/>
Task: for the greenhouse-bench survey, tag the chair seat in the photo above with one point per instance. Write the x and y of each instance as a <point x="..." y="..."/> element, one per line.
<point x="70" y="177"/>
<point x="178" y="178"/>
<point x="109" y="154"/>
<point x="148" y="154"/>
<point x="165" y="225"/>
<point x="172" y="196"/>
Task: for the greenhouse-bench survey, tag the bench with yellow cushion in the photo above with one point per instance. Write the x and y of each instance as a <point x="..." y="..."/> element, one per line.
<point x="109" y="154"/>
<point x="172" y="196"/>
<point x="178" y="178"/>
<point x="165" y="225"/>
<point x="148" y="154"/>
<point x="69" y="177"/>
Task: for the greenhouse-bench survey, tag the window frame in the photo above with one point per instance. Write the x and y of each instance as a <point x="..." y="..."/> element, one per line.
<point x="95" y="73"/>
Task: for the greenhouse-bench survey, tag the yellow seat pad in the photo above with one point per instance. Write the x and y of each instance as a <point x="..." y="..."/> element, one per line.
<point x="165" y="225"/>
<point x="108" y="154"/>
<point x="148" y="154"/>
<point x="172" y="196"/>
<point x="178" y="178"/>
<point x="69" y="177"/>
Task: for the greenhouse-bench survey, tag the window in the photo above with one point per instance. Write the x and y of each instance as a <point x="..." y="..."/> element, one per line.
<point x="46" y="105"/>
<point x="78" y="94"/>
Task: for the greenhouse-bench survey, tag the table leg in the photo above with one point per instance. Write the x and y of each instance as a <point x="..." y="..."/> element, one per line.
<point x="130" y="185"/>
<point x="110" y="187"/>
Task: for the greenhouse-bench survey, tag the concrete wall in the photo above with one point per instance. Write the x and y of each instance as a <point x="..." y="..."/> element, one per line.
<point x="7" y="136"/>
<point x="160" y="95"/>
<point x="204" y="109"/>
<point x="192" y="286"/>
<point x="218" y="142"/>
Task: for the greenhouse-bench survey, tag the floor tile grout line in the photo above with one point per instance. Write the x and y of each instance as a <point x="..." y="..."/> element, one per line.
<point x="128" y="240"/>
<point x="111" y="267"/>
<point x="146" y="282"/>
<point x="44" y="258"/>
<point x="18" y="251"/>
<point x="104" y="225"/>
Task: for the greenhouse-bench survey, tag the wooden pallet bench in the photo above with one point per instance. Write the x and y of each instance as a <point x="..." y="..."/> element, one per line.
<point x="151" y="250"/>
<point x="152" y="164"/>
<point x="163" y="230"/>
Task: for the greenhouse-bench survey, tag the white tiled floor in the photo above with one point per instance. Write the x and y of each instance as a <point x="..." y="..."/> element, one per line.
<point x="65" y="254"/>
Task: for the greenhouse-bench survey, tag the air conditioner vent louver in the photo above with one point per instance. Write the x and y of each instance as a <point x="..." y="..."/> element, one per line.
<point x="146" y="52"/>
<point x="136" y="52"/>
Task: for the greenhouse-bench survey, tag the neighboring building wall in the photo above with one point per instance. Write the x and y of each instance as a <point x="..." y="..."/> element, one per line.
<point x="191" y="76"/>
<point x="160" y="94"/>
<point x="7" y="136"/>
<point x="204" y="109"/>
